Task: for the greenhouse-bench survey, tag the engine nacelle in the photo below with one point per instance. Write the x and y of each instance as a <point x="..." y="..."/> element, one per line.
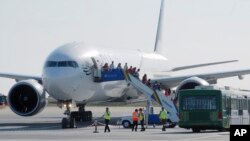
<point x="190" y="83"/>
<point x="27" y="98"/>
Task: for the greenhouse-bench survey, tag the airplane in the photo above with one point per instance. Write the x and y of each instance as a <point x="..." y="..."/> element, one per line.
<point x="69" y="76"/>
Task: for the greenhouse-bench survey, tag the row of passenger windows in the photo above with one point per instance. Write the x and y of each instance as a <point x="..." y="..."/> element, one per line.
<point x="199" y="103"/>
<point x="236" y="103"/>
<point x="72" y="64"/>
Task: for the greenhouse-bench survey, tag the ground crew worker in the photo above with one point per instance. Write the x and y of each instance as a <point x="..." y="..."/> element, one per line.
<point x="107" y="118"/>
<point x="141" y="117"/>
<point x="163" y="118"/>
<point x="135" y="120"/>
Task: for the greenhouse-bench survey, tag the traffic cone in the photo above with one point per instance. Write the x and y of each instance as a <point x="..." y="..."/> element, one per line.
<point x="95" y="124"/>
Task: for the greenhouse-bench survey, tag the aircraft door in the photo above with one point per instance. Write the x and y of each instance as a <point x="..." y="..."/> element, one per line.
<point x="245" y="115"/>
<point x="228" y="110"/>
<point x="240" y="111"/>
<point x="97" y="67"/>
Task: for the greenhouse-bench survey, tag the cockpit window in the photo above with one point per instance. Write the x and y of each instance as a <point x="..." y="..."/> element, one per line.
<point x="62" y="64"/>
<point x="72" y="64"/>
<point x="51" y="64"/>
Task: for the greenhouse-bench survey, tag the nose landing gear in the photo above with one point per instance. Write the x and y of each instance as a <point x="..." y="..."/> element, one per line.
<point x="75" y="116"/>
<point x="69" y="121"/>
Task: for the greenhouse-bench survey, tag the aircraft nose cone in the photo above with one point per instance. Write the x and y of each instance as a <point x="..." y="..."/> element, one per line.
<point x="60" y="83"/>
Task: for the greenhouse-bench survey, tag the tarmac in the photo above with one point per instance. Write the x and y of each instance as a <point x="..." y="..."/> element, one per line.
<point x="47" y="126"/>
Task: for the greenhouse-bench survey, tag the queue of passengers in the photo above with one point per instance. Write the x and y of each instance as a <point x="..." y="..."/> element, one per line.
<point x="132" y="70"/>
<point x="135" y="72"/>
<point x="155" y="85"/>
<point x="111" y="67"/>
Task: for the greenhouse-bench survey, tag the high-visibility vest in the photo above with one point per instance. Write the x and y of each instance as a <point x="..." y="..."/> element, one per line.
<point x="163" y="115"/>
<point x="141" y="116"/>
<point x="135" y="116"/>
<point x="107" y="115"/>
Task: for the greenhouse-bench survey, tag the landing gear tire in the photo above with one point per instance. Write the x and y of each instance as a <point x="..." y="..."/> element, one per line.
<point x="170" y="124"/>
<point x="72" y="123"/>
<point x="82" y="116"/>
<point x="220" y="130"/>
<point x="72" y="117"/>
<point x="68" y="123"/>
<point x="195" y="130"/>
<point x="64" y="123"/>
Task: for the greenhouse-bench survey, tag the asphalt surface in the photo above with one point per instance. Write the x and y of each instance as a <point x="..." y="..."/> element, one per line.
<point x="47" y="126"/>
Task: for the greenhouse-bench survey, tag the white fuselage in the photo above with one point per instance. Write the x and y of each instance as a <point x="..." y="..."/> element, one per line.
<point x="68" y="71"/>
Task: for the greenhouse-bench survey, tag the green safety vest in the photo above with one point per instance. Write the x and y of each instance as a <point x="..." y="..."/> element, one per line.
<point x="141" y="116"/>
<point x="163" y="115"/>
<point x="107" y="115"/>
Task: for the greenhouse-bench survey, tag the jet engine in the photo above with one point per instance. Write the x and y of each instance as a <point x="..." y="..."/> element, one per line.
<point x="27" y="98"/>
<point x="190" y="83"/>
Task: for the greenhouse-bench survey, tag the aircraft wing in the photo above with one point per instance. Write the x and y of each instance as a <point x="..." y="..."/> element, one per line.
<point x="173" y="81"/>
<point x="202" y="65"/>
<point x="18" y="77"/>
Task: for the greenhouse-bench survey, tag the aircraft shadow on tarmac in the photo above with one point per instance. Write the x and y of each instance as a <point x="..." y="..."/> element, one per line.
<point x="37" y="126"/>
<point x="45" y="125"/>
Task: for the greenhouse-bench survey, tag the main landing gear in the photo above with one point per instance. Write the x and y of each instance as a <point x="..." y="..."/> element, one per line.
<point x="75" y="116"/>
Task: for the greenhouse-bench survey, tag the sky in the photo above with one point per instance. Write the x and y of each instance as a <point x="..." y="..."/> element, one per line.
<point x="195" y="31"/>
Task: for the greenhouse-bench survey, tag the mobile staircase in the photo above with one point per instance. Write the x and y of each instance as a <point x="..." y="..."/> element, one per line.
<point x="155" y="96"/>
<point x="151" y="94"/>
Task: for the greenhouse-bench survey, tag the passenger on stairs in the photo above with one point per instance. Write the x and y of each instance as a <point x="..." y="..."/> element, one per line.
<point x="133" y="71"/>
<point x="111" y="67"/>
<point x="119" y="67"/>
<point x="144" y="79"/>
<point x="136" y="74"/>
<point x="159" y="86"/>
<point x="148" y="83"/>
<point x="105" y="67"/>
<point x="155" y="86"/>
<point x="125" y="66"/>
<point x="130" y="70"/>
<point x="167" y="92"/>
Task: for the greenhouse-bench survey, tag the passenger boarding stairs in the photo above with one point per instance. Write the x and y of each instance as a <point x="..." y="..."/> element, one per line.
<point x="154" y="95"/>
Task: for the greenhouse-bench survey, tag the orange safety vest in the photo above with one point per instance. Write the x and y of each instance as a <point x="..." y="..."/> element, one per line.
<point x="135" y="116"/>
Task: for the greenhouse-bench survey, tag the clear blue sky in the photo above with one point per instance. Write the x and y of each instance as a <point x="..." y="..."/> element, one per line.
<point x="196" y="31"/>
